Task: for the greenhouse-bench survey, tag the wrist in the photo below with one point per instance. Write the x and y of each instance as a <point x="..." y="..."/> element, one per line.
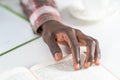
<point x="43" y="15"/>
<point x="47" y="25"/>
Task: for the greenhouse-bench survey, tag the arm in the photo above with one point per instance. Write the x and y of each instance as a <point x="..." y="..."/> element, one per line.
<point x="39" y="12"/>
<point x="46" y="21"/>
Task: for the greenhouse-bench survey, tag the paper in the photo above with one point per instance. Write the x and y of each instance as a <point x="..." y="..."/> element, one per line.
<point x="20" y="73"/>
<point x="65" y="71"/>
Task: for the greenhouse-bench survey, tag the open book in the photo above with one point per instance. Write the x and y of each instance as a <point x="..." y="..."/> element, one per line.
<point x="62" y="70"/>
<point x="14" y="30"/>
<point x="59" y="70"/>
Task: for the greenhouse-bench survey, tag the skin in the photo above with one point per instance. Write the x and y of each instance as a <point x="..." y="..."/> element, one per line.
<point x="55" y="32"/>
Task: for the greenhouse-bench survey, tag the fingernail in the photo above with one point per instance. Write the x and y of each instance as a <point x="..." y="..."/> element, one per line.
<point x="77" y="66"/>
<point x="58" y="56"/>
<point x="86" y="65"/>
<point x="96" y="62"/>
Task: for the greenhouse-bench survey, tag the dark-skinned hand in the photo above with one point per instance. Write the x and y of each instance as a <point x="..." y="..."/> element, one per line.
<point x="54" y="32"/>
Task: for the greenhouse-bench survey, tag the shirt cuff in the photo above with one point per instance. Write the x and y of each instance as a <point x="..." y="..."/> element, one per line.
<point x="42" y="15"/>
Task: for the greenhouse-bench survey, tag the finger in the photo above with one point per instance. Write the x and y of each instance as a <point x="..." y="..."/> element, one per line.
<point x="53" y="46"/>
<point x="90" y="44"/>
<point x="80" y="38"/>
<point x="97" y="54"/>
<point x="90" y="53"/>
<point x="70" y="39"/>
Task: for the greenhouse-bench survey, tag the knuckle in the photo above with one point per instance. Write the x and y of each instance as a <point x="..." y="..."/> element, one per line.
<point x="91" y="42"/>
<point x="68" y="30"/>
<point x="77" y="30"/>
<point x="96" y="41"/>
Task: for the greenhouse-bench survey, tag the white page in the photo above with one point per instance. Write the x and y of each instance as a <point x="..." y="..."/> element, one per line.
<point x="65" y="71"/>
<point x="13" y="30"/>
<point x="20" y="73"/>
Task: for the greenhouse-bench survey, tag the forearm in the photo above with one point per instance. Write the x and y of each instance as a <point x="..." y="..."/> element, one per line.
<point x="39" y="12"/>
<point x="29" y="6"/>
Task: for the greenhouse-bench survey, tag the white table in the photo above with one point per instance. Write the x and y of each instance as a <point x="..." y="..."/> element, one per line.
<point x="37" y="52"/>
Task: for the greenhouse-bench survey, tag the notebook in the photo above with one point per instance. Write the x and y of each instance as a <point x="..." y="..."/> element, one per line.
<point x="62" y="70"/>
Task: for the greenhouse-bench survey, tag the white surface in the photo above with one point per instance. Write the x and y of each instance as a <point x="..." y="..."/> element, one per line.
<point x="27" y="55"/>
<point x="13" y="31"/>
<point x="106" y="31"/>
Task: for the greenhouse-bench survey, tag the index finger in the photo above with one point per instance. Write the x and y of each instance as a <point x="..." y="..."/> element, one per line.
<point x="70" y="38"/>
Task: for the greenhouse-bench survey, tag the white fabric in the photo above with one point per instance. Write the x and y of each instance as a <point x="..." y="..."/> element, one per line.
<point x="42" y="10"/>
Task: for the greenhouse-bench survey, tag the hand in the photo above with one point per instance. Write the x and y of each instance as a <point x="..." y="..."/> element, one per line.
<point x="55" y="32"/>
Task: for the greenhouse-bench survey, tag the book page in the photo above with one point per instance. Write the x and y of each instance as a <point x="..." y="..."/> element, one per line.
<point x="66" y="56"/>
<point x="14" y="31"/>
<point x="65" y="71"/>
<point x="17" y="74"/>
